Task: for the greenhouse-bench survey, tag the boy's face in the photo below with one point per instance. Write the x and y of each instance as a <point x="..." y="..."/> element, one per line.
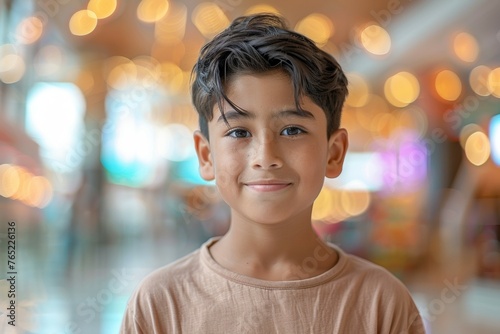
<point x="269" y="164"/>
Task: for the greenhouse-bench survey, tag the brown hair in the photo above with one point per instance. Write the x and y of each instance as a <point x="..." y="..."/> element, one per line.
<point x="261" y="43"/>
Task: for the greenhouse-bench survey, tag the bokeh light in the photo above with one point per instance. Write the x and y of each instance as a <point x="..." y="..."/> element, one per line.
<point x="376" y="40"/>
<point x="150" y="11"/>
<point x="466" y="131"/>
<point x="477" y="148"/>
<point x="12" y="68"/>
<point x="48" y="105"/>
<point x="17" y="183"/>
<point x="494" y="82"/>
<point x="49" y="61"/>
<point x="415" y="119"/>
<point x="355" y="202"/>
<point x="323" y="204"/>
<point x="365" y="115"/>
<point x="172" y="76"/>
<point x="102" y="8"/>
<point x="148" y="71"/>
<point x="328" y="206"/>
<point x="448" y="85"/>
<point x="209" y="19"/>
<point x="29" y="30"/>
<point x="358" y="91"/>
<point x="122" y="72"/>
<point x="384" y="124"/>
<point x="465" y="47"/>
<point x="334" y="205"/>
<point x="177" y="142"/>
<point x="22" y="190"/>
<point x="39" y="192"/>
<point x="83" y="22"/>
<point x="494" y="131"/>
<point x="9" y="180"/>
<point x="478" y="80"/>
<point x="261" y="8"/>
<point x="170" y="30"/>
<point x="401" y="89"/>
<point x="317" y="27"/>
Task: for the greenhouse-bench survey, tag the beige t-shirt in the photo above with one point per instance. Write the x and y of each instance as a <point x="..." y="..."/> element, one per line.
<point x="196" y="295"/>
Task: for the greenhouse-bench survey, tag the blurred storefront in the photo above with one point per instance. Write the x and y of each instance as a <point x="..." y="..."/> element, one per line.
<point x="98" y="169"/>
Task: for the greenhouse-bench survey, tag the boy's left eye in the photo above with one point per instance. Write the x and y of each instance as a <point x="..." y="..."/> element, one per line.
<point x="292" y="131"/>
<point x="238" y="133"/>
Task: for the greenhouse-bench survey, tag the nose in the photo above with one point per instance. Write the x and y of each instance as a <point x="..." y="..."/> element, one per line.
<point x="265" y="152"/>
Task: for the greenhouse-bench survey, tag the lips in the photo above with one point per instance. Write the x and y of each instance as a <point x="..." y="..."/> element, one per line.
<point x="268" y="185"/>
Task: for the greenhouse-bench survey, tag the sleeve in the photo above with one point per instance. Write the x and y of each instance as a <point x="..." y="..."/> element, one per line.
<point x="406" y="317"/>
<point x="149" y="308"/>
<point x="416" y="325"/>
<point x="130" y="324"/>
<point x="398" y="313"/>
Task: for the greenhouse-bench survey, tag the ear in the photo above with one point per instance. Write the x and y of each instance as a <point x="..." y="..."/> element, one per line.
<point x="202" y="147"/>
<point x="337" y="149"/>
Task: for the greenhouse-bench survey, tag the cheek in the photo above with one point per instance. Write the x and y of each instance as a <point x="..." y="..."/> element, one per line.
<point x="222" y="179"/>
<point x="228" y="165"/>
<point x="312" y="163"/>
<point x="312" y="155"/>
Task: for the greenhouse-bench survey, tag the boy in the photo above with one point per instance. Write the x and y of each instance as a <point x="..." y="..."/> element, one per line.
<point x="269" y="103"/>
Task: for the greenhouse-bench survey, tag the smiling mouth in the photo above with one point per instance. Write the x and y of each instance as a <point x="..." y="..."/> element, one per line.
<point x="267" y="186"/>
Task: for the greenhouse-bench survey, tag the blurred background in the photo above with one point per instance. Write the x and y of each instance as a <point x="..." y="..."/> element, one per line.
<point x="99" y="174"/>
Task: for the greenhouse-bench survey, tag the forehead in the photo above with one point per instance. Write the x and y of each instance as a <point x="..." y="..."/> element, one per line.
<point x="268" y="95"/>
<point x="264" y="87"/>
<point x="265" y="93"/>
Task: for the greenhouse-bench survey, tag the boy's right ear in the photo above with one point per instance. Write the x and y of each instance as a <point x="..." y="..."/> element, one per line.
<point x="205" y="161"/>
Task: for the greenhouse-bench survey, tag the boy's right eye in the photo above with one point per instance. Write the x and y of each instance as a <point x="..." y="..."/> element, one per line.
<point x="238" y="133"/>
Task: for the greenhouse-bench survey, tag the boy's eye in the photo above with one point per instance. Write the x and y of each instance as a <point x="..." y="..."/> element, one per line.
<point x="292" y="131"/>
<point x="238" y="133"/>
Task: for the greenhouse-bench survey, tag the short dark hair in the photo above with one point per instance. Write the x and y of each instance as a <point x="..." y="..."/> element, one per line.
<point x="261" y="43"/>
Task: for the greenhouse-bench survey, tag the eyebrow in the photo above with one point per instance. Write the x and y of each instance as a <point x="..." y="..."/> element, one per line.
<point x="233" y="114"/>
<point x="294" y="113"/>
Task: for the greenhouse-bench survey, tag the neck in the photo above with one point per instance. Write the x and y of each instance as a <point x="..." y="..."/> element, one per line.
<point x="281" y="251"/>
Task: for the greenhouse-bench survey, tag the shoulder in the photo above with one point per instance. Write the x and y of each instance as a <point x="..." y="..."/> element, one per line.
<point x="381" y="295"/>
<point x="166" y="277"/>
<point x="178" y="279"/>
<point x="371" y="274"/>
<point x="365" y="279"/>
<point x="154" y="301"/>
